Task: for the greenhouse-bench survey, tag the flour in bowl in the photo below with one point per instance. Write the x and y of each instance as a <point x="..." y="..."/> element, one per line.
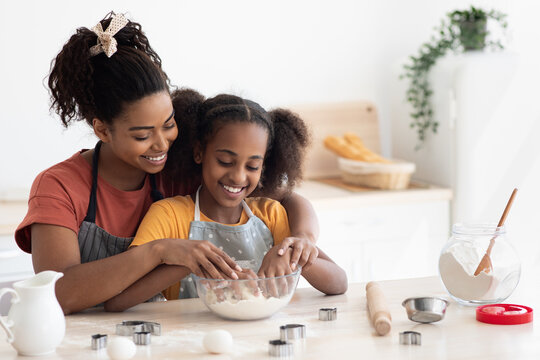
<point x="250" y="307"/>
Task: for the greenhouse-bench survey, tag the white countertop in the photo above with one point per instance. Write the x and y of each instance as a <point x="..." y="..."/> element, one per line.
<point x="351" y="336"/>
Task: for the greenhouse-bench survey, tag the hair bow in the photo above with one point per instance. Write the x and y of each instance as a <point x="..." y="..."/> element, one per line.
<point x="105" y="39"/>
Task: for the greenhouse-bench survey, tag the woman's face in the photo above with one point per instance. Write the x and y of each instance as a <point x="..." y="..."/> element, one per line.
<point x="232" y="163"/>
<point x="144" y="132"/>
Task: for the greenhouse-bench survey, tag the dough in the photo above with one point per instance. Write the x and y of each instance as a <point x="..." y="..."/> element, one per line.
<point x="121" y="348"/>
<point x="218" y="341"/>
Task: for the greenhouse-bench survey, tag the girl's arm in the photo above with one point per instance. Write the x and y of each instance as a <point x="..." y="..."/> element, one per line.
<point x="304" y="228"/>
<point x="151" y="284"/>
<point x="326" y="276"/>
<point x="85" y="285"/>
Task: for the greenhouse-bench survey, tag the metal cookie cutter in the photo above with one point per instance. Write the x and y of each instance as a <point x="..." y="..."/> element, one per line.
<point x="328" y="314"/>
<point x="280" y="348"/>
<point x="292" y="332"/>
<point x="142" y="338"/>
<point x="410" y="338"/>
<point x="99" y="341"/>
<point x="128" y="328"/>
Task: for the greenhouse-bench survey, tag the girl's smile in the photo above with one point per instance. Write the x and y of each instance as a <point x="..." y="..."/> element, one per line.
<point x="231" y="168"/>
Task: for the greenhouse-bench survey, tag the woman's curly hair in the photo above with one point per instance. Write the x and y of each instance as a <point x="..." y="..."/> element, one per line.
<point x="199" y="119"/>
<point x="83" y="87"/>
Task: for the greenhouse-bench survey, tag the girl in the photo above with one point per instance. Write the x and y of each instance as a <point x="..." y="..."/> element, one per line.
<point x="239" y="148"/>
<point x="84" y="211"/>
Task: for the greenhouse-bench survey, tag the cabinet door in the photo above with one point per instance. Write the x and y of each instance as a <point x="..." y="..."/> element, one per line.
<point x="385" y="241"/>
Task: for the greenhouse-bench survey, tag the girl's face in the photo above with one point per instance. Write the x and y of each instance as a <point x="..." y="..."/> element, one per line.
<point x="232" y="164"/>
<point x="143" y="133"/>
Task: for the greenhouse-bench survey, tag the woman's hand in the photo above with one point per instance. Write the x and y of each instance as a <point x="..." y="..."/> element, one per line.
<point x="304" y="251"/>
<point x="202" y="257"/>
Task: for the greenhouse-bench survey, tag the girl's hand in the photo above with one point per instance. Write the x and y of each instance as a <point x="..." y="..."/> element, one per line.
<point x="274" y="264"/>
<point x="304" y="251"/>
<point x="202" y="257"/>
<point x="250" y="285"/>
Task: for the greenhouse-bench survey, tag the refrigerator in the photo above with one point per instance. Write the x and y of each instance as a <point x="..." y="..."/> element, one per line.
<point x="487" y="143"/>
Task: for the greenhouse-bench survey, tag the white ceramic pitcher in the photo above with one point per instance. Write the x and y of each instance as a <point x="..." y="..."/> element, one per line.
<point x="35" y="324"/>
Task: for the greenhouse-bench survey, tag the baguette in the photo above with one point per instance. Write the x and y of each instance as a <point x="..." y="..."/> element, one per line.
<point x="355" y="141"/>
<point x="350" y="146"/>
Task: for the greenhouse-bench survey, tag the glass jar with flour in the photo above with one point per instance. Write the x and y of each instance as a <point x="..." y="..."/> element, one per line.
<point x="463" y="253"/>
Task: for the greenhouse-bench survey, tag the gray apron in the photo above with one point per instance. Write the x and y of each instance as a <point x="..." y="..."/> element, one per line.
<point x="94" y="242"/>
<point x="246" y="244"/>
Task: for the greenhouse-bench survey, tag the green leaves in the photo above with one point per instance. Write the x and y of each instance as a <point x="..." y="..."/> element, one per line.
<point x="461" y="30"/>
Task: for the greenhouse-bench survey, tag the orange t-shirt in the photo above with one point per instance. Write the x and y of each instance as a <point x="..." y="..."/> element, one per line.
<point x="60" y="196"/>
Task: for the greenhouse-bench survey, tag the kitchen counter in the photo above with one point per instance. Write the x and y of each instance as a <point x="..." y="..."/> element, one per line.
<point x="351" y="336"/>
<point x="324" y="193"/>
<point x="11" y="214"/>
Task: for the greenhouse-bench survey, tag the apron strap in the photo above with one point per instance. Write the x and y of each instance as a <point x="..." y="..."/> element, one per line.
<point x="92" y="204"/>
<point x="155" y="193"/>
<point x="248" y="211"/>
<point x="197" y="215"/>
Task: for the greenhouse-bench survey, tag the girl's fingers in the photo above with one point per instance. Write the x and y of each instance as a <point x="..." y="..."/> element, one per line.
<point x="253" y="282"/>
<point x="271" y="284"/>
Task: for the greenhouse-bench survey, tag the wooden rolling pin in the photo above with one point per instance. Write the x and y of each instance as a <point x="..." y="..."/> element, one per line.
<point x="378" y="308"/>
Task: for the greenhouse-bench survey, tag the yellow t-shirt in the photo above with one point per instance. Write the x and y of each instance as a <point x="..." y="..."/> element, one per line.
<point x="171" y="218"/>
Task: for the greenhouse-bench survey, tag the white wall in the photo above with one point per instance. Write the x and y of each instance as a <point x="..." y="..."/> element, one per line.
<point x="275" y="52"/>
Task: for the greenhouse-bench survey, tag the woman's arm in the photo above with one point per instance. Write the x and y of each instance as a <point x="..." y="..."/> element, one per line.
<point x="326" y="276"/>
<point x="304" y="228"/>
<point x="143" y="289"/>
<point x="85" y="285"/>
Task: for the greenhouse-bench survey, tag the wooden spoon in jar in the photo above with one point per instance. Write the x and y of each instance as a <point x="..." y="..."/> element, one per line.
<point x="485" y="264"/>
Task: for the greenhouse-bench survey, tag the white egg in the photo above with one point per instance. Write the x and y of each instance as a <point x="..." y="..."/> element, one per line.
<point x="121" y="348"/>
<point x="218" y="341"/>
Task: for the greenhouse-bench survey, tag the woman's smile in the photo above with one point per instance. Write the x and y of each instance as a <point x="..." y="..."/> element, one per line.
<point x="156" y="160"/>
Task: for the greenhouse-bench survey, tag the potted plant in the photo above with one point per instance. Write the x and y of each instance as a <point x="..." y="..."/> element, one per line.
<point x="459" y="31"/>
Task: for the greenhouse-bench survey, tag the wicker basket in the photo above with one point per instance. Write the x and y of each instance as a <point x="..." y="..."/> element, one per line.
<point x="394" y="176"/>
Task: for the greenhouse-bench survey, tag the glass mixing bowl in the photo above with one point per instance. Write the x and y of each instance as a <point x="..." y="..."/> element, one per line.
<point x="461" y="256"/>
<point x="247" y="299"/>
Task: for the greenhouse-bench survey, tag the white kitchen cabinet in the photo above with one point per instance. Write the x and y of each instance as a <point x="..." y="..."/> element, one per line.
<point x="380" y="235"/>
<point x="15" y="265"/>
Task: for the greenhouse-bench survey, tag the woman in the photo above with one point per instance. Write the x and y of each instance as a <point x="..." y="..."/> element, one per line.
<point x="84" y="211"/>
